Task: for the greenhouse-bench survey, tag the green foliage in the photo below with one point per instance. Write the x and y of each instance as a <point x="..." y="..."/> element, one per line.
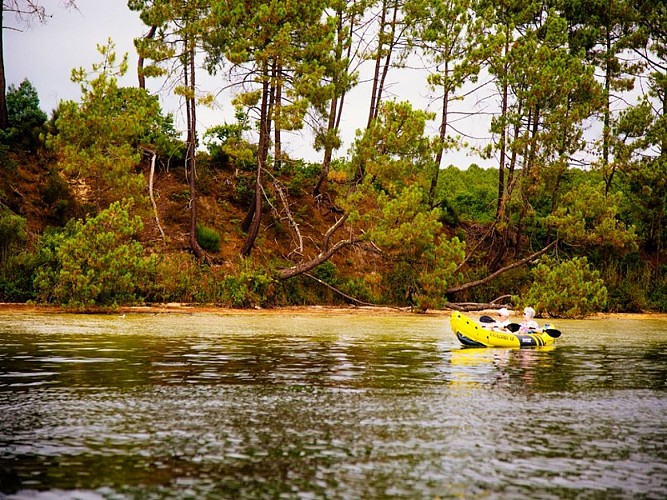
<point x="245" y="190"/>
<point x="14" y="269"/>
<point x="567" y="289"/>
<point x="302" y="176"/>
<point x="181" y="278"/>
<point x="327" y="272"/>
<point x="400" y="283"/>
<point x="99" y="139"/>
<point x="7" y="162"/>
<point x="626" y="296"/>
<point x="96" y="262"/>
<point x="226" y="145"/>
<point x="57" y="197"/>
<point x="629" y="282"/>
<point x="252" y="286"/>
<point x="208" y="239"/>
<point x="587" y="217"/>
<point x="177" y="279"/>
<point x="419" y="278"/>
<point x="470" y="194"/>
<point x="16" y="278"/>
<point x="13" y="233"/>
<point x="361" y="288"/>
<point x="657" y="294"/>
<point x="437" y="272"/>
<point x="26" y="119"/>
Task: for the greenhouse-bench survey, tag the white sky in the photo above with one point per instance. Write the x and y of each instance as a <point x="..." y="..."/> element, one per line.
<point x="46" y="53"/>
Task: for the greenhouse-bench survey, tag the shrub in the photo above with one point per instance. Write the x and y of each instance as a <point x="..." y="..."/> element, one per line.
<point x="16" y="265"/>
<point x="176" y="277"/>
<point x="208" y="238"/>
<point x="16" y="283"/>
<point x="657" y="294"/>
<point x="97" y="262"/>
<point x="58" y="198"/>
<point x="567" y="289"/>
<point x="251" y="287"/>
<point x="12" y="234"/>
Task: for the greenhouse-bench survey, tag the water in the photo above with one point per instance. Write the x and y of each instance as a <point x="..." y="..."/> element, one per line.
<point x="328" y="404"/>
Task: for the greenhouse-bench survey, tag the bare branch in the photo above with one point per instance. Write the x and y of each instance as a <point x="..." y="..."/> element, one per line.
<point x="295" y="226"/>
<point x="304" y="267"/>
<point x="490" y="277"/>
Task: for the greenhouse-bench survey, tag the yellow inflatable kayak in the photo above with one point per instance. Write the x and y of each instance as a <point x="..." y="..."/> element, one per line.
<point x="472" y="334"/>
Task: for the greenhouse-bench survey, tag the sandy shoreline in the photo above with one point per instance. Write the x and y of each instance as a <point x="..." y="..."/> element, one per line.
<point x="178" y="308"/>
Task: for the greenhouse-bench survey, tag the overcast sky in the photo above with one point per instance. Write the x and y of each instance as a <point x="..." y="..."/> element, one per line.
<point x="46" y="53"/>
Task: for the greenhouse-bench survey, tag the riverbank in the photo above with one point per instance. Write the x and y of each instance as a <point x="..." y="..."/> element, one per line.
<point x="180" y="308"/>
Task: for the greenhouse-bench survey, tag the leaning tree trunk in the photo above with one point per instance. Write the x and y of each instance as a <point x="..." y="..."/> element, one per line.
<point x="607" y="169"/>
<point x="324" y="255"/>
<point x="492" y="276"/>
<point x="328" y="151"/>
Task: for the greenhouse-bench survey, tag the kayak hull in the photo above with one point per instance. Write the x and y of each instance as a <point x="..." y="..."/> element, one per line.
<point x="471" y="334"/>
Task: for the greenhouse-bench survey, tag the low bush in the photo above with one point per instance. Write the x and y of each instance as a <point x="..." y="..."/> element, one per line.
<point x="250" y="287"/>
<point x="567" y="289"/>
<point x="208" y="239"/>
<point x="98" y="262"/>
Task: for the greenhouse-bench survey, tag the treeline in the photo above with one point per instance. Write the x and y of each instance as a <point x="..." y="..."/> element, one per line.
<point x="571" y="221"/>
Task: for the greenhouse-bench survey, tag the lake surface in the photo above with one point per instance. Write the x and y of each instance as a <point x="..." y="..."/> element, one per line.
<point x="326" y="404"/>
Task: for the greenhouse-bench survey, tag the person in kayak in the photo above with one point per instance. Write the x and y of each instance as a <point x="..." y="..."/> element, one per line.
<point x="528" y="324"/>
<point x="503" y="320"/>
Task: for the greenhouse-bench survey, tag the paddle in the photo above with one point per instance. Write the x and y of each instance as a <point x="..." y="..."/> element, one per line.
<point x="552" y="332"/>
<point x="486" y="319"/>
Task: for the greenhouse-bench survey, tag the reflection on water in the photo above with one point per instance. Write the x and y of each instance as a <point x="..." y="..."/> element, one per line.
<point x="326" y="405"/>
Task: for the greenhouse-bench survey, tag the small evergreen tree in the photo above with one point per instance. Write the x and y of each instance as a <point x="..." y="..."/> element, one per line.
<point x="26" y="119"/>
<point x="96" y="262"/>
<point x="567" y="289"/>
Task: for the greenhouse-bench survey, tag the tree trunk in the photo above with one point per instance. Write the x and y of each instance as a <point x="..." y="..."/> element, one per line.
<point x="191" y="150"/>
<point x="255" y="211"/>
<point x="527" y="185"/>
<point x="387" y="59"/>
<point x="502" y="200"/>
<point x="372" y="112"/>
<point x="140" y="61"/>
<point x="4" y="119"/>
<point x="328" y="151"/>
<point x="335" y="110"/>
<point x="277" y="130"/>
<point x="443" y="136"/>
<point x="606" y="129"/>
